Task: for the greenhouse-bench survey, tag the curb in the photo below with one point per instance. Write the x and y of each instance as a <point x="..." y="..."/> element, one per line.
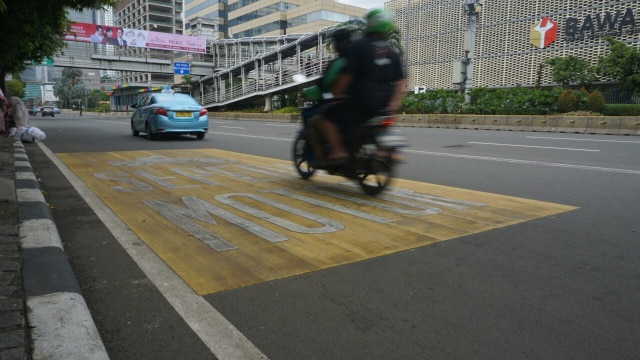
<point x="61" y="324"/>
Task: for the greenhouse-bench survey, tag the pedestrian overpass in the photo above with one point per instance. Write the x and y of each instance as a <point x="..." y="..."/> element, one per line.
<point x="263" y="66"/>
<point x="233" y="69"/>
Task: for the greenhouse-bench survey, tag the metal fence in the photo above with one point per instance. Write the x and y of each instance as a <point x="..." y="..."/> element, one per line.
<point x="620" y="96"/>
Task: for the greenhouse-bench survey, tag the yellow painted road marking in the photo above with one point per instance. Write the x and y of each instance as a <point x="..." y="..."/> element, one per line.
<point x="224" y="220"/>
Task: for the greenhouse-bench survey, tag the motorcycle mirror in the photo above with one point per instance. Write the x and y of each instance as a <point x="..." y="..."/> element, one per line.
<point x="299" y="78"/>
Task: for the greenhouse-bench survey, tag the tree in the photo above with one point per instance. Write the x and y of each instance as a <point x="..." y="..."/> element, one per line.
<point x="622" y="64"/>
<point x="187" y="79"/>
<point x="70" y="88"/>
<point x="94" y="96"/>
<point x="15" y="87"/>
<point x="34" y="29"/>
<point x="571" y="70"/>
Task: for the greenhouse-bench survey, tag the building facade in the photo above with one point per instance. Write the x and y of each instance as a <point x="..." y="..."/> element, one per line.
<point x="513" y="37"/>
<point x="153" y="15"/>
<point x="250" y="18"/>
<point x="206" y="18"/>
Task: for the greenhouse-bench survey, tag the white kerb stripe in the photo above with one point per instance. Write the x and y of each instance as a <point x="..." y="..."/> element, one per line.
<point x="26" y="175"/>
<point x="62" y="328"/>
<point x="39" y="233"/>
<point x="29" y="195"/>
<point x="22" y="163"/>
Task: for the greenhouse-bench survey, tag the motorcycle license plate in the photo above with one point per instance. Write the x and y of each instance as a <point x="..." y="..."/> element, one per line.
<point x="183" y="114"/>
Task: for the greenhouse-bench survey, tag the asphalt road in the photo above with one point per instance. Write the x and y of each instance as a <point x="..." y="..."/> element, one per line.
<point x="563" y="286"/>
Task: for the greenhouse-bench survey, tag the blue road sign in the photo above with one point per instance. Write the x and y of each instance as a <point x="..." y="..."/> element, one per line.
<point x="181" y="68"/>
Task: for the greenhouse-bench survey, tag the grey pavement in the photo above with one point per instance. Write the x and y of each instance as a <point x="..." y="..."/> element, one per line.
<point x="14" y="335"/>
<point x="43" y="314"/>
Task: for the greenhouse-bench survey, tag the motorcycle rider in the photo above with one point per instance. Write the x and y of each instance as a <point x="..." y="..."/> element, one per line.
<point x="373" y="74"/>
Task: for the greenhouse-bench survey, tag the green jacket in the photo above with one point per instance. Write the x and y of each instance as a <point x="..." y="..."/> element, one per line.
<point x="325" y="85"/>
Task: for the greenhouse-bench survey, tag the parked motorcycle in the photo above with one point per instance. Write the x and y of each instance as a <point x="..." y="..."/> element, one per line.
<point x="374" y="153"/>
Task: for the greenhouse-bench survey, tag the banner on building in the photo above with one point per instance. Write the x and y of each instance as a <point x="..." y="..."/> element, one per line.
<point x="113" y="35"/>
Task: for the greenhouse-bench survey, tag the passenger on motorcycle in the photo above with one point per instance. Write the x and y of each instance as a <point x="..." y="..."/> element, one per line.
<point x="373" y="75"/>
<point x="323" y="92"/>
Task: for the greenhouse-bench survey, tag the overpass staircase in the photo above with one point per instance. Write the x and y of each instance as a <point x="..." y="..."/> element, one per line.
<point x="254" y="67"/>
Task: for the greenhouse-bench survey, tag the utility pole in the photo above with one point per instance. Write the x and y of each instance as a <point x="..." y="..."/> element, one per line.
<point x="472" y="8"/>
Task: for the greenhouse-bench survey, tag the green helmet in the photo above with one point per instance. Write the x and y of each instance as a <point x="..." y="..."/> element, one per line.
<point x="378" y="21"/>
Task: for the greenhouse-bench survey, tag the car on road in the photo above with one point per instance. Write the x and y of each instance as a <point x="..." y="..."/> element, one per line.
<point x="166" y="113"/>
<point x="34" y="110"/>
<point x="47" y="111"/>
<point x="56" y="110"/>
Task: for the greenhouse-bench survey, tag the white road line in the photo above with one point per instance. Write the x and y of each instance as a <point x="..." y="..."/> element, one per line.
<point x="530" y="162"/>
<point x="252" y="136"/>
<point x="115" y="122"/>
<point x="216" y="332"/>
<point x="576" y="139"/>
<point x="232" y="127"/>
<point x="530" y="146"/>
<point x="285" y="125"/>
<point x="516" y="161"/>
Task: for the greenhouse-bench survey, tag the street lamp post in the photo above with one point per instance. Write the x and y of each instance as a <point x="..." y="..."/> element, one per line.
<point x="472" y="8"/>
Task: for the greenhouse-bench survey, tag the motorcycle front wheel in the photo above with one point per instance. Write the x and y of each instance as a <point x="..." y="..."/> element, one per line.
<point x="301" y="156"/>
<point x="375" y="177"/>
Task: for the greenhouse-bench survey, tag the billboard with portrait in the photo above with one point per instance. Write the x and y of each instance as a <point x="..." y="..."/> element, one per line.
<point x="113" y="35"/>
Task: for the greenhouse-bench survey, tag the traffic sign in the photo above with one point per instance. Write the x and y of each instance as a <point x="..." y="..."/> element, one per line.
<point x="44" y="62"/>
<point x="181" y="68"/>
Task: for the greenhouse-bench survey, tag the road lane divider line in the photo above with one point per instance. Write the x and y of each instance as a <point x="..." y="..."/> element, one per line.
<point x="223" y="339"/>
<point x="253" y="136"/>
<point x="531" y="146"/>
<point x="576" y="139"/>
<point x="529" y="162"/>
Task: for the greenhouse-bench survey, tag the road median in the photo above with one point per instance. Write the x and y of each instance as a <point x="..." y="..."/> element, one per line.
<point x="606" y="125"/>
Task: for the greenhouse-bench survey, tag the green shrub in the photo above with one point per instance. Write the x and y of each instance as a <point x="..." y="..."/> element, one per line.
<point x="567" y="102"/>
<point x="595" y="102"/>
<point x="584" y="91"/>
<point x="103" y="108"/>
<point x="581" y="99"/>
<point x="514" y="101"/>
<point x="433" y="102"/>
<point x="621" y="110"/>
<point x="250" y="110"/>
<point x="287" y="110"/>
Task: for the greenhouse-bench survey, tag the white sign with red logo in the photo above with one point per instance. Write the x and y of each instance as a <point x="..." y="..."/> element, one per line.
<point x="544" y="33"/>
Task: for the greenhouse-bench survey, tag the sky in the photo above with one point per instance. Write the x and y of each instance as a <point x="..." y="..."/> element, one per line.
<point x="367" y="4"/>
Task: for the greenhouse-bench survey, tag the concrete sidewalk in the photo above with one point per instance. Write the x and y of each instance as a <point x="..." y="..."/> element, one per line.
<point x="43" y="315"/>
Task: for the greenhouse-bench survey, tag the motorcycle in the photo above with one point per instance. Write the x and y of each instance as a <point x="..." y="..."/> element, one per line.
<point x="373" y="153"/>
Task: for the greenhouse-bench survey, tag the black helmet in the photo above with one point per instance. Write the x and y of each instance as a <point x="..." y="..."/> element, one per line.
<point x="341" y="37"/>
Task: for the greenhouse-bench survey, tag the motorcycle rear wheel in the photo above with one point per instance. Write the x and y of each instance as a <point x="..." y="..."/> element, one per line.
<point x="301" y="156"/>
<point x="376" y="176"/>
